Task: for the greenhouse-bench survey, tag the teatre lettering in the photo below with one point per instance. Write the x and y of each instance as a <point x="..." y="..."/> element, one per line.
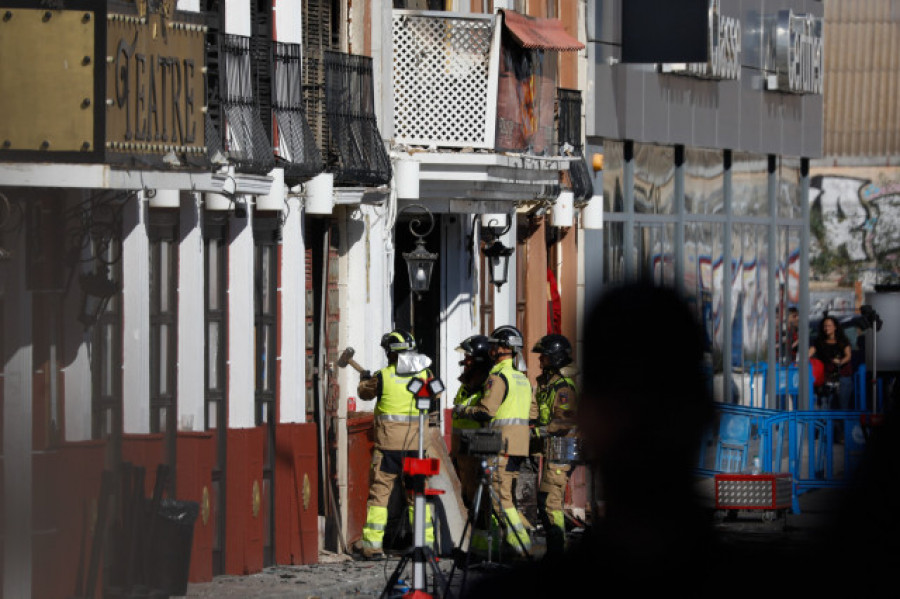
<point x="157" y="95"/>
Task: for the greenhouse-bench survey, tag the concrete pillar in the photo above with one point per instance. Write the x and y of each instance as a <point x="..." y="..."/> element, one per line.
<point x="135" y="317"/>
<point x="191" y="317"/>
<point x="241" y="340"/>
<point x="292" y="385"/>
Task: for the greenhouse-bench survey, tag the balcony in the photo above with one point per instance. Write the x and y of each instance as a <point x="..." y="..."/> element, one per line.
<point x="475" y="104"/>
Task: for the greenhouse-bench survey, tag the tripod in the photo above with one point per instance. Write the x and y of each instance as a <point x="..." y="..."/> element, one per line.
<point x="418" y="470"/>
<point x="476" y="511"/>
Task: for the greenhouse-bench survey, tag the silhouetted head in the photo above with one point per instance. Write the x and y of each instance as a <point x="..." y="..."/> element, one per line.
<point x="645" y="402"/>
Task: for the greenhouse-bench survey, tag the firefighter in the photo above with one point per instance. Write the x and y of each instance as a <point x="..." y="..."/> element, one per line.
<point x="507" y="406"/>
<point x="396" y="437"/>
<point x="476" y="365"/>
<point x="556" y="397"/>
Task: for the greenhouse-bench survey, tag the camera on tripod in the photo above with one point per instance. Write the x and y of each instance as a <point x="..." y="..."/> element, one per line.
<point x="480" y="442"/>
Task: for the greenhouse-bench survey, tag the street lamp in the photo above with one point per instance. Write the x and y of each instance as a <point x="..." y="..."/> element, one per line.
<point x="420" y="262"/>
<point x="498" y="262"/>
<point x="497" y="254"/>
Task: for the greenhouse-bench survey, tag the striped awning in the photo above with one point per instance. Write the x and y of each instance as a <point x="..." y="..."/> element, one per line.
<point x="544" y="34"/>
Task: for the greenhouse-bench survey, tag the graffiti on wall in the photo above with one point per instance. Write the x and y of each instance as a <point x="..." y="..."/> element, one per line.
<point x="855" y="226"/>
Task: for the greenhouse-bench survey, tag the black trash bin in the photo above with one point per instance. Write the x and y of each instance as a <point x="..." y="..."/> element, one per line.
<point x="170" y="551"/>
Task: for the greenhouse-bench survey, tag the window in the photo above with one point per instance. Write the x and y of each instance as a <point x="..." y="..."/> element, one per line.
<point x="106" y="334"/>
<point x="215" y="241"/>
<point x="162" y="230"/>
<point x="266" y="234"/>
<point x="265" y="315"/>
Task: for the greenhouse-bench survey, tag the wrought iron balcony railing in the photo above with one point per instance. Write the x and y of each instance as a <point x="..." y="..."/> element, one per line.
<point x="295" y="145"/>
<point x="340" y="105"/>
<point x="570" y="141"/>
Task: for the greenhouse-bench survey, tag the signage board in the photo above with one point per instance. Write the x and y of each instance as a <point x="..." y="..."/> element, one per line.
<point x="799" y="53"/>
<point x="52" y="80"/>
<point x="155" y="95"/>
<point x="724" y="44"/>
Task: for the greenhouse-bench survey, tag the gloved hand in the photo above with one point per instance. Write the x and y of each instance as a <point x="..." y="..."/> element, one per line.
<point x="365" y="375"/>
<point x="539" y="431"/>
<point x="459" y="410"/>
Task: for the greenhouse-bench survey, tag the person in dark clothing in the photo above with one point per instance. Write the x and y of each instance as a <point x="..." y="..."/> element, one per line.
<point x="832" y="348"/>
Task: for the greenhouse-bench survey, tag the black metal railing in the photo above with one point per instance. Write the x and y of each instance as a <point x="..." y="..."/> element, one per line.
<point x="296" y="148"/>
<point x="570" y="141"/>
<point x="340" y="104"/>
<point x="246" y="142"/>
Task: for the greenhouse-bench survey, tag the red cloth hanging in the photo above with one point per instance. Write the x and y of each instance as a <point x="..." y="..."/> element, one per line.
<point x="554" y="305"/>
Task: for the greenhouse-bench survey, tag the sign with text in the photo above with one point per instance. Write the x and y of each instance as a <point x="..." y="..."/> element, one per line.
<point x="155" y="89"/>
<point x="799" y="53"/>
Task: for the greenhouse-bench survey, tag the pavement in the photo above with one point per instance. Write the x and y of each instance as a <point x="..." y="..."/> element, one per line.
<point x="338" y="576"/>
<point x="335" y="576"/>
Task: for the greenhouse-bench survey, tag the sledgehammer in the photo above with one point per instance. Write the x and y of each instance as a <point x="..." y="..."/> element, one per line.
<point x="347" y="359"/>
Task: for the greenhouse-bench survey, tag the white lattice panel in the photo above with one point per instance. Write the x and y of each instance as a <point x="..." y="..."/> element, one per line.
<point x="441" y="80"/>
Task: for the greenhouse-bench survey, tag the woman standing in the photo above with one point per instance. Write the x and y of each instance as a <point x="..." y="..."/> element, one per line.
<point x="832" y="348"/>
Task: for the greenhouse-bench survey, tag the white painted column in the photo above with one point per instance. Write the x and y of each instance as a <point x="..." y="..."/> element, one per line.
<point x="241" y="339"/>
<point x="135" y="318"/>
<point x="17" y="418"/>
<point x="292" y="386"/>
<point x="365" y="312"/>
<point x="77" y="380"/>
<point x="191" y="317"/>
<point x="77" y="370"/>
<point x="189" y="5"/>
<point x="237" y="17"/>
<point x="459" y="314"/>
<point x="288" y="21"/>
<point x="367" y="315"/>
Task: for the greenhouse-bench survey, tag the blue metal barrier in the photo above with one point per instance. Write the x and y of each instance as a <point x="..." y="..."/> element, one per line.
<point x="787" y="385"/>
<point x="800" y="442"/>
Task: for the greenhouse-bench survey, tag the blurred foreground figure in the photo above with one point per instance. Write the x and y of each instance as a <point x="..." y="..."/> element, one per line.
<point x="642" y="411"/>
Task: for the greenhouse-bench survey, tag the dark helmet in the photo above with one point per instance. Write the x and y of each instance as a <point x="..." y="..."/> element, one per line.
<point x="476" y="346"/>
<point x="557" y="349"/>
<point x="398" y="341"/>
<point x="507" y="336"/>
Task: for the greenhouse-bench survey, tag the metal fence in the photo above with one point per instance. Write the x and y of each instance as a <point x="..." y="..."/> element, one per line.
<point x="819" y="448"/>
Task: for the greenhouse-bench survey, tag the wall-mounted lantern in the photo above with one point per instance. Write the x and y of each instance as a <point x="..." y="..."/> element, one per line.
<point x="498" y="262"/>
<point x="494" y="226"/>
<point x="420" y="262"/>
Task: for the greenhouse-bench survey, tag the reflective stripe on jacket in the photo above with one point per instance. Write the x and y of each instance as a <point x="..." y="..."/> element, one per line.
<point x="514" y="412"/>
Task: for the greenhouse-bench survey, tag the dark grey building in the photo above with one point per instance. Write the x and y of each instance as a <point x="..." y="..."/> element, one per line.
<point x="705" y="175"/>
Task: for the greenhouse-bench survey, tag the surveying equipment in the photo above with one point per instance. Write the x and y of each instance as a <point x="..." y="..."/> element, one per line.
<point x="487" y="445"/>
<point x="418" y="470"/>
